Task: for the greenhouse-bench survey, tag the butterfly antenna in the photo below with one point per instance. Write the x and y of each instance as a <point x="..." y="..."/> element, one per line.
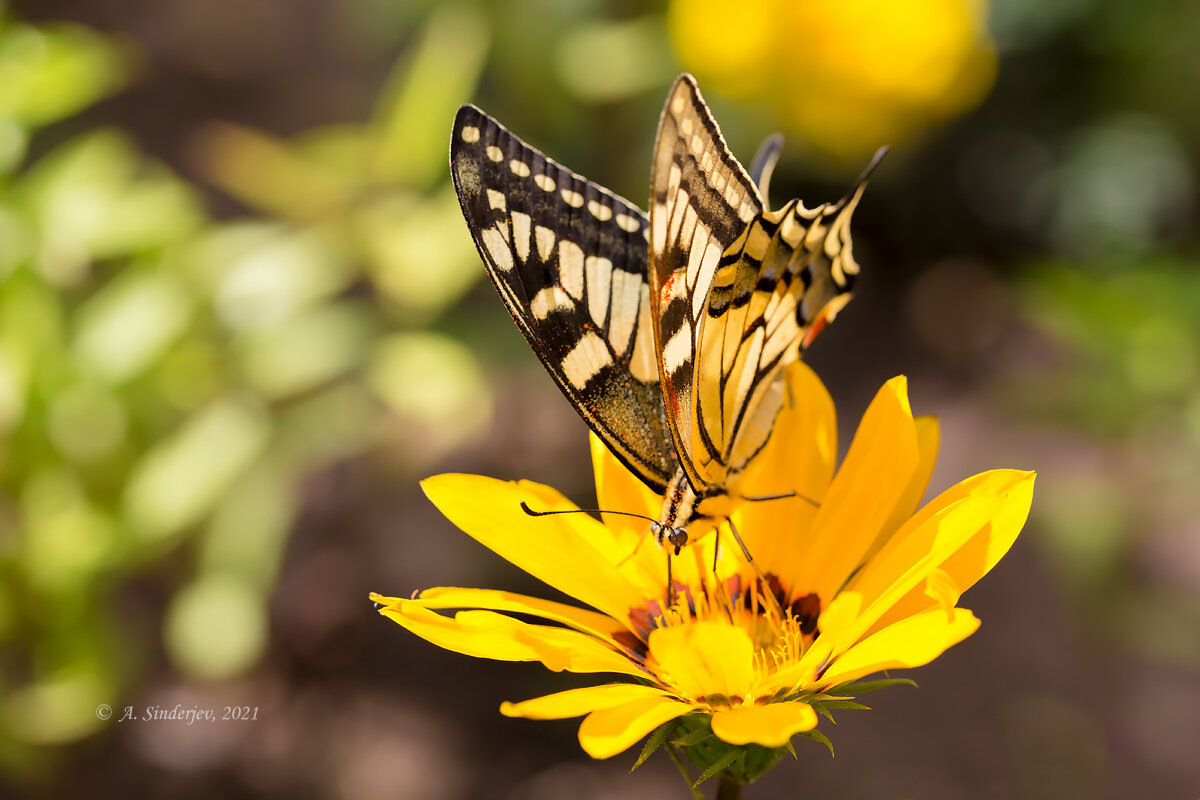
<point x="533" y="513"/>
<point x="782" y="496"/>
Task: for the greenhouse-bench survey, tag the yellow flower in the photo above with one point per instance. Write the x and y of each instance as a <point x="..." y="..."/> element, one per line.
<point x="857" y="581"/>
<point x="848" y="75"/>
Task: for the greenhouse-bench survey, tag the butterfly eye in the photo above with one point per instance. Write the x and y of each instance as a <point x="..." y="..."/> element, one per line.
<point x="678" y="537"/>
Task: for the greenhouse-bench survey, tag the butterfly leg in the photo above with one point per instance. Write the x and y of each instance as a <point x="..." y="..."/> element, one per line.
<point x="762" y="579"/>
<point x="670" y="582"/>
<point x="636" y="547"/>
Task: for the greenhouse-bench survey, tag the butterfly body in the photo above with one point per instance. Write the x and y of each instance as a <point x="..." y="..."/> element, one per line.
<point x="667" y="331"/>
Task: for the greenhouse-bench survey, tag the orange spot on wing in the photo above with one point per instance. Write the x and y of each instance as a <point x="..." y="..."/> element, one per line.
<point x="817" y="326"/>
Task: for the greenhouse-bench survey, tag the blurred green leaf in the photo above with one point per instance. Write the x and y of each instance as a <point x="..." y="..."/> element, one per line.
<point x="603" y="61"/>
<point x="216" y="627"/>
<point x="260" y="273"/>
<point x="414" y="110"/>
<point x="94" y="197"/>
<point x="306" y="350"/>
<point x="307" y="179"/>
<point x="58" y="708"/>
<point x="65" y="538"/>
<point x="248" y="531"/>
<point x="48" y="73"/>
<point x="328" y="425"/>
<point x="127" y="325"/>
<point x="16" y="240"/>
<point x="448" y="404"/>
<point x="419" y="253"/>
<point x="178" y="480"/>
<point x="86" y="422"/>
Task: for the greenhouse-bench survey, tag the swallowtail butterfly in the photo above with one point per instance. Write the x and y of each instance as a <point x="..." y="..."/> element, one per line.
<point x="668" y="332"/>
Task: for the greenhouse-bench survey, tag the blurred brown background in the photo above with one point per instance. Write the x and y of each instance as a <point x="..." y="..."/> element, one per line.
<point x="241" y="317"/>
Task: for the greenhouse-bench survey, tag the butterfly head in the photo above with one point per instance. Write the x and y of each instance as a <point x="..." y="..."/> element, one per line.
<point x="664" y="532"/>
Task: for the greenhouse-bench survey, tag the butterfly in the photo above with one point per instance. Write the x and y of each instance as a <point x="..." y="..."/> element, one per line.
<point x="667" y="331"/>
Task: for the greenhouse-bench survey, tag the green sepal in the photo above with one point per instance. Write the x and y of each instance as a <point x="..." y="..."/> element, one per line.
<point x="717" y="767"/>
<point x="862" y="687"/>
<point x="850" y="704"/>
<point x="817" y="736"/>
<point x="653" y="743"/>
<point x="744" y="763"/>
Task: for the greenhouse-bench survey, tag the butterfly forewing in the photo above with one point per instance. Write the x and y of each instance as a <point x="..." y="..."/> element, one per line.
<point x="569" y="258"/>
<point x="701" y="202"/>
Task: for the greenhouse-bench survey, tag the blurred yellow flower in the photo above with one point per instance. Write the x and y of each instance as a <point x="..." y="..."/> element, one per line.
<point x="847" y="75"/>
<point x="856" y="581"/>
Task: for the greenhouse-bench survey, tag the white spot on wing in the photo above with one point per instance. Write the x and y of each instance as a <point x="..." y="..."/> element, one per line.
<point x="705" y="253"/>
<point x="545" y="241"/>
<point x="570" y="268"/>
<point x="585" y="360"/>
<point x="549" y="300"/>
<point x="544" y="182"/>
<point x="496" y="200"/>
<point x="600" y="212"/>
<point x="628" y="223"/>
<point x="599" y="277"/>
<point x="470" y="134"/>
<point x="497" y="248"/>
<point x="519" y="168"/>
<point x="572" y="198"/>
<point x="494" y="153"/>
<point x="626" y="293"/>
<point x="520" y="227"/>
<point x="643" y="364"/>
<point x="679" y="350"/>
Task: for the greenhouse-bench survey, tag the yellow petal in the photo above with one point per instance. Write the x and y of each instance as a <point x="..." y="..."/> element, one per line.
<point x="897" y="571"/>
<point x="557" y="549"/>
<point x="978" y="557"/>
<point x="703" y="658"/>
<point x="770" y="725"/>
<point x="486" y="634"/>
<point x="577" y="702"/>
<point x="799" y="456"/>
<point x="557" y="648"/>
<point x="578" y="618"/>
<point x="964" y="554"/>
<point x="912" y="642"/>
<point x="609" y="731"/>
<point x="447" y="633"/>
<point x="619" y="489"/>
<point x="941" y="589"/>
<point x="928" y="437"/>
<point x="633" y="548"/>
<point x="878" y="469"/>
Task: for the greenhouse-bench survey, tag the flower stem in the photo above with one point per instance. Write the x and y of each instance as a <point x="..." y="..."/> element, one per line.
<point x="730" y="789"/>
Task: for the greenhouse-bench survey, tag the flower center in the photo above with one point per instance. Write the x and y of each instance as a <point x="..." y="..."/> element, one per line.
<point x="720" y="640"/>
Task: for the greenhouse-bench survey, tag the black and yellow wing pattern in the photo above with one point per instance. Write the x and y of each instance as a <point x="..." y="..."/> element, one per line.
<point x="668" y="332"/>
<point x="569" y="259"/>
<point x="740" y="290"/>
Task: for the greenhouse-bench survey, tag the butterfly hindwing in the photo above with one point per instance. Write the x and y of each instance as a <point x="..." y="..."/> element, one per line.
<point x="790" y="274"/>
<point x="701" y="202"/>
<point x="741" y="290"/>
<point x="569" y="259"/>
